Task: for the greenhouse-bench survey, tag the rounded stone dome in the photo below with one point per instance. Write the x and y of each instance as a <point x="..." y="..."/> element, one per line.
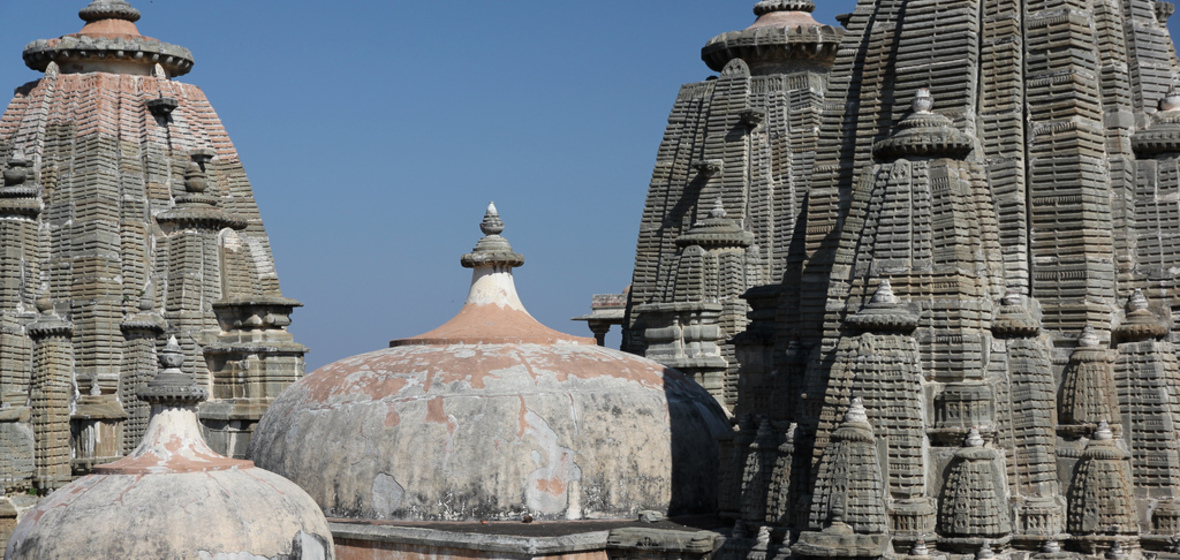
<point x="492" y="416"/>
<point x="174" y="497"/>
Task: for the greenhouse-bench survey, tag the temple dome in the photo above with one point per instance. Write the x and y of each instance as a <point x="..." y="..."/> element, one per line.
<point x="492" y="416"/>
<point x="174" y="497"/>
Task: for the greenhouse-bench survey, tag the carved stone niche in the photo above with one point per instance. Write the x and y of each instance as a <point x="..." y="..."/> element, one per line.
<point x="686" y="336"/>
<point x="912" y="521"/>
<point x="1038" y="521"/>
<point x="252" y="361"/>
<point x="960" y="407"/>
<point x="96" y="430"/>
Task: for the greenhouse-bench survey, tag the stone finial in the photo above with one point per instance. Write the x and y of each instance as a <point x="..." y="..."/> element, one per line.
<point x="1171" y="100"/>
<point x="109" y="9"/>
<point x="919" y="548"/>
<point x="1051" y="546"/>
<point x="763" y="539"/>
<point x="973" y="438"/>
<point x="1138" y="302"/>
<point x="923" y="102"/>
<point x="1116" y="552"/>
<point x="985" y="552"/>
<point x="884" y="293"/>
<point x="492" y="250"/>
<point x="44" y="305"/>
<point x="1103" y="432"/>
<point x="1089" y="337"/>
<point x="491" y="224"/>
<point x="856" y="411"/>
<point x="718" y="211"/>
<point x="172" y="386"/>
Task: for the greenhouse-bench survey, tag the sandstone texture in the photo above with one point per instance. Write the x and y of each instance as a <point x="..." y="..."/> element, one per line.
<point x="125" y="216"/>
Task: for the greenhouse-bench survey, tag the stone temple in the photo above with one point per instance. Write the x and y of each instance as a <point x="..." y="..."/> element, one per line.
<point x="927" y="258"/>
<point x="125" y="218"/>
<point x="965" y="213"/>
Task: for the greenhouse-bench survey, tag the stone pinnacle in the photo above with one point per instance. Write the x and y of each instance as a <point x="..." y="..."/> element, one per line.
<point x="884" y="293"/>
<point x="491" y="224"/>
<point x="718" y="211"/>
<point x="923" y="102"/>
<point x="856" y="411"/>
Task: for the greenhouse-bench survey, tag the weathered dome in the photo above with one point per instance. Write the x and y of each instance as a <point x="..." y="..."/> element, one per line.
<point x="492" y="416"/>
<point x="173" y="497"/>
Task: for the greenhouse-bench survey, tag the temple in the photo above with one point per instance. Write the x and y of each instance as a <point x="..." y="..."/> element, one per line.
<point x="964" y="343"/>
<point x="126" y="218"/>
<point x="917" y="273"/>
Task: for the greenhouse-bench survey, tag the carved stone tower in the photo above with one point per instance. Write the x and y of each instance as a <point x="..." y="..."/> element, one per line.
<point x="728" y="185"/>
<point x="984" y="254"/>
<point x="125" y="210"/>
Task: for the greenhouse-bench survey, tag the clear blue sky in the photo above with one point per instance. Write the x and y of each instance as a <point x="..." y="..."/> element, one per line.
<point x="376" y="131"/>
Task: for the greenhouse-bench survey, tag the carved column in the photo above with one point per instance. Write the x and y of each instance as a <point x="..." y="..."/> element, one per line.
<point x="20" y="206"/>
<point x="252" y="361"/>
<point x="53" y="369"/>
<point x="141" y="331"/>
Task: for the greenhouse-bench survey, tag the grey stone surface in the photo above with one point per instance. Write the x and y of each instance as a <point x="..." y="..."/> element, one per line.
<point x="982" y="248"/>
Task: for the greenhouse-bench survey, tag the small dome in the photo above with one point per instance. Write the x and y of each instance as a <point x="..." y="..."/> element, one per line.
<point x="492" y="416"/>
<point x="174" y="497"/>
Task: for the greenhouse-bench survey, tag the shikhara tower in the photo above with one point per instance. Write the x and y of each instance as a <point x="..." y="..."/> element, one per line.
<point x="982" y="250"/>
<point x="726" y="192"/>
<point x="125" y="216"/>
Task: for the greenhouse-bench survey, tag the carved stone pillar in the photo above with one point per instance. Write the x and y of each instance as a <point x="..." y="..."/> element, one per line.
<point x="53" y="368"/>
<point x="252" y="361"/>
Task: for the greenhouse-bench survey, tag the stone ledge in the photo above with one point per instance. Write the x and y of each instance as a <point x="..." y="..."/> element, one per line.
<point x="422" y="536"/>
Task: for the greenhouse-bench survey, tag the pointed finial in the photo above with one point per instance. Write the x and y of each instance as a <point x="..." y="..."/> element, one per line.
<point x="718" y="210"/>
<point x="491" y="224"/>
<point x="884" y="293"/>
<point x="492" y="250"/>
<point x="973" y="438"/>
<point x="1103" y="432"/>
<point x="1138" y="301"/>
<point x="856" y="411"/>
<point x="919" y="548"/>
<point x="109" y="9"/>
<point x="1051" y="546"/>
<point x="763" y="539"/>
<point x="1171" y="100"/>
<point x="985" y="552"/>
<point x="1089" y="338"/>
<point x="171" y="357"/>
<point x="923" y="102"/>
<point x="171" y="386"/>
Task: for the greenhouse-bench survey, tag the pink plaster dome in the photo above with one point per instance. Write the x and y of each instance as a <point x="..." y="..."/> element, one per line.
<point x="174" y="497"/>
<point x="492" y="416"/>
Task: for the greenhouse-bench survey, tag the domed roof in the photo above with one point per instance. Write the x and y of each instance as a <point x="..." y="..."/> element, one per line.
<point x="174" y="497"/>
<point x="492" y="416"/>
